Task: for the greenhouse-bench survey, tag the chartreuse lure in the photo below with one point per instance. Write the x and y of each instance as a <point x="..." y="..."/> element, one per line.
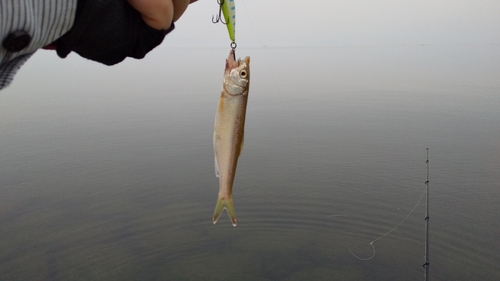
<point x="229" y="11"/>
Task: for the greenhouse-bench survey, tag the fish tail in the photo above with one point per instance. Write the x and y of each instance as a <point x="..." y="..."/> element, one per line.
<point x="227" y="204"/>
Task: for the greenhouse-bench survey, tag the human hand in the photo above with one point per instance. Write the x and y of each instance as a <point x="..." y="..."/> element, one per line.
<point x="120" y="29"/>
<point x="160" y="14"/>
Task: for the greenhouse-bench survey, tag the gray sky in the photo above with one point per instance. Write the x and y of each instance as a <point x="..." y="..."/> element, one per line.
<point x="343" y="23"/>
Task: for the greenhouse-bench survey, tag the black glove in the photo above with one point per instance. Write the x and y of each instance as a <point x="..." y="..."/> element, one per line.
<point x="108" y="31"/>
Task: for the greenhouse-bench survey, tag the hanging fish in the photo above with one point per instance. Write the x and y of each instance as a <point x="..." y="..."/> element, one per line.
<point x="229" y="130"/>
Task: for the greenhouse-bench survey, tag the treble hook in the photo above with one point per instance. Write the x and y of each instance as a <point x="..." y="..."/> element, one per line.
<point x="219" y="17"/>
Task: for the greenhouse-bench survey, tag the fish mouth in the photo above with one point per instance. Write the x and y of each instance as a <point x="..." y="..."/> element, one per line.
<point x="231" y="61"/>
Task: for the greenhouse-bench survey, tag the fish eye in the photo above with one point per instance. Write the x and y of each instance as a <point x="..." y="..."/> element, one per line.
<point x="243" y="73"/>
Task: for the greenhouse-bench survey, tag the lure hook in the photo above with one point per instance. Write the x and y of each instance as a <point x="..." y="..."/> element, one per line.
<point x="218" y="18"/>
<point x="233" y="48"/>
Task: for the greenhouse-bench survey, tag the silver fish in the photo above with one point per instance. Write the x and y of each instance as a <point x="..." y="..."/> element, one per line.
<point x="229" y="130"/>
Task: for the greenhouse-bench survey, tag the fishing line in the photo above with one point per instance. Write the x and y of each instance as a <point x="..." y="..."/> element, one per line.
<point x="384" y="235"/>
<point x="276" y="88"/>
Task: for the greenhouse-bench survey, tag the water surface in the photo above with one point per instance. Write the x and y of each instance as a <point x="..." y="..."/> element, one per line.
<point x="107" y="173"/>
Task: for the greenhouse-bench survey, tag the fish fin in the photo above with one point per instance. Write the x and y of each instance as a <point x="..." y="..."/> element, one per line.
<point x="225" y="204"/>
<point x="216" y="164"/>
<point x="241" y="143"/>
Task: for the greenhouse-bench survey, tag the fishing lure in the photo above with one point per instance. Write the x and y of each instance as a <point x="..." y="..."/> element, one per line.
<point x="228" y="9"/>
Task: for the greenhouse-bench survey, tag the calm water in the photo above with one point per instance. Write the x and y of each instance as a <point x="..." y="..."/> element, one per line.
<point x="107" y="173"/>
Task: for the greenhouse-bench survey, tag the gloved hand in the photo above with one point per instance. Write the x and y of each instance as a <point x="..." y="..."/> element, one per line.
<point x="108" y="31"/>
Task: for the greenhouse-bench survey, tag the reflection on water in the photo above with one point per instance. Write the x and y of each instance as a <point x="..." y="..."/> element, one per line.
<point x="111" y="181"/>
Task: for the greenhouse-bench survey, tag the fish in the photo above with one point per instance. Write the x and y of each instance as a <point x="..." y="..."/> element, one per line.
<point x="229" y="130"/>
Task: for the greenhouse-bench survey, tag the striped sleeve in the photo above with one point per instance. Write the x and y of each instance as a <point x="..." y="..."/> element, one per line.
<point x="43" y="20"/>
